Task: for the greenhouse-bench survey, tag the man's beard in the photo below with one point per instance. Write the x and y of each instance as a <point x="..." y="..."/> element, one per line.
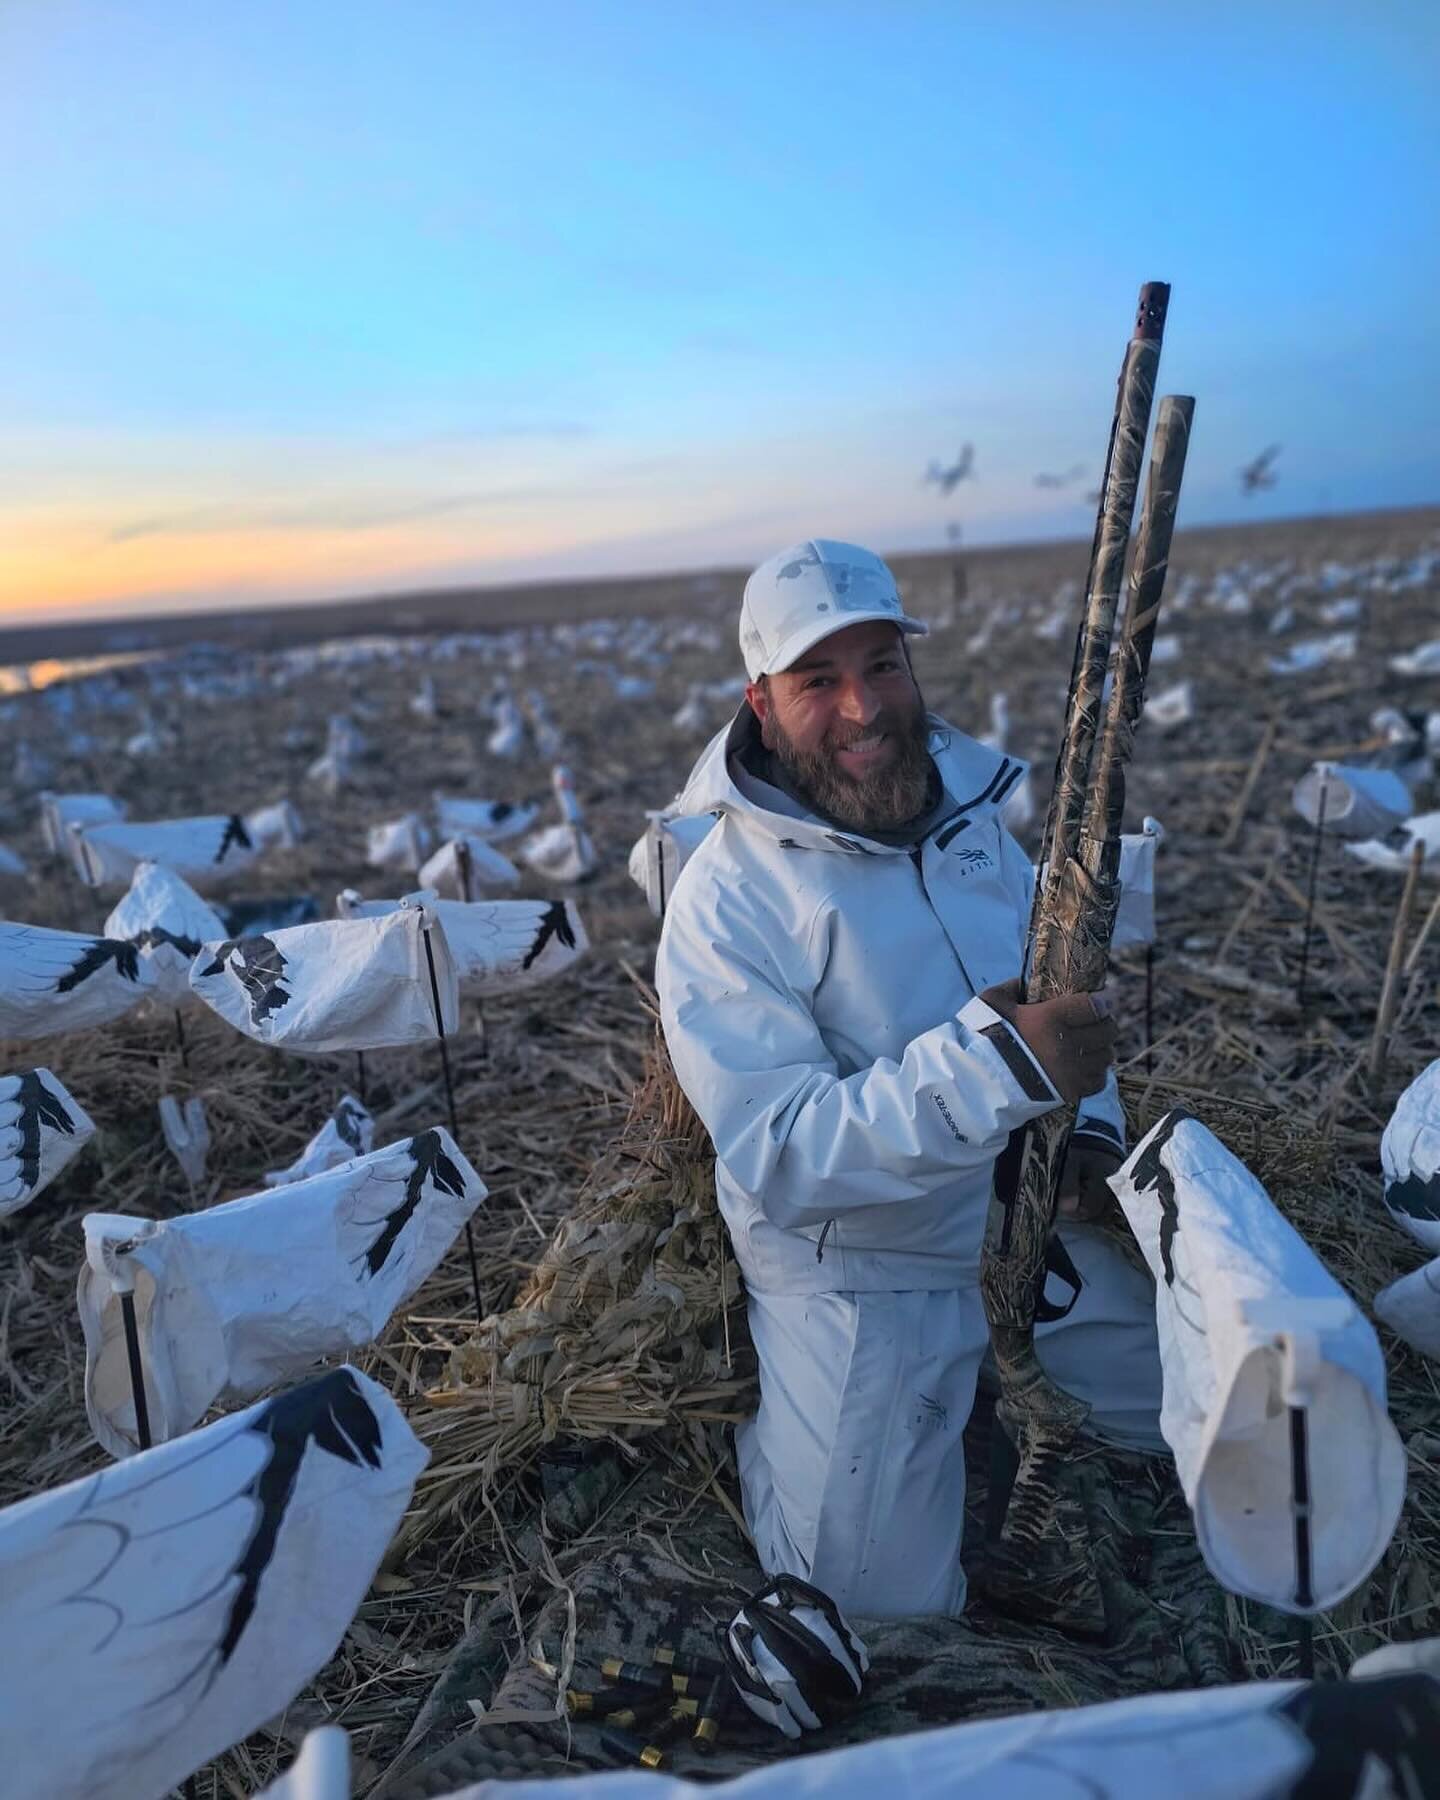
<point x="882" y="801"/>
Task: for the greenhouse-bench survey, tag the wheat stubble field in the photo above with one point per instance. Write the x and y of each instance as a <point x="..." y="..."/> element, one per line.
<point x="239" y="706"/>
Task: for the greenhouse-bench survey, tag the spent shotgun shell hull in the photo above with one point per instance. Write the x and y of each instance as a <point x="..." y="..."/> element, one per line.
<point x="627" y="1747"/>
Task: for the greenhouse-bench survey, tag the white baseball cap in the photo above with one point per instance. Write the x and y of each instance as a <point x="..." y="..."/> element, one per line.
<point x="809" y="591"/>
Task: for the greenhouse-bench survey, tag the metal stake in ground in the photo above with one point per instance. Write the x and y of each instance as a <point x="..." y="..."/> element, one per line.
<point x="137" y="1372"/>
<point x="1310" y="892"/>
<point x="1300" y="1512"/>
<point x="450" y="1110"/>
<point x="1149" y="1009"/>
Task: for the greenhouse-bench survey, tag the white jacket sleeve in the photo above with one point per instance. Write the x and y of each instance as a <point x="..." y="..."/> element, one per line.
<point x="804" y="1142"/>
<point x="1100" y="1119"/>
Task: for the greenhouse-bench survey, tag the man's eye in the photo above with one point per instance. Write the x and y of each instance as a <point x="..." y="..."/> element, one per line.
<point x="816" y="681"/>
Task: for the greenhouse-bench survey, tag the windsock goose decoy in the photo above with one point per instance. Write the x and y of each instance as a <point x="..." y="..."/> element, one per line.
<point x="563" y="853"/>
<point x="42" y="1128"/>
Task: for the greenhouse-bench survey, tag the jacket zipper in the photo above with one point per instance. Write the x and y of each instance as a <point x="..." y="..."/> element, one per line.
<point x="917" y="858"/>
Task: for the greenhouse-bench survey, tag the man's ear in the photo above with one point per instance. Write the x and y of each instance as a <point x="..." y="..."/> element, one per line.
<point x="758" y="695"/>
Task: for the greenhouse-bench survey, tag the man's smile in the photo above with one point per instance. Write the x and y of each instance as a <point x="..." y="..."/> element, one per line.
<point x="862" y="754"/>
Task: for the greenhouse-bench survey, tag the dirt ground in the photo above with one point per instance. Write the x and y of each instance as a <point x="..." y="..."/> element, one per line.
<point x="544" y="1077"/>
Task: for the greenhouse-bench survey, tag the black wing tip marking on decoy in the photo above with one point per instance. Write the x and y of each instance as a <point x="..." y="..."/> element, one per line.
<point x="234" y="833"/>
<point x="555" y="923"/>
<point x="428" y="1163"/>
<point x="99" y="952"/>
<point x="1415" y="1196"/>
<point x="39" y="1107"/>
<point x="259" y="965"/>
<point x="334" y="1415"/>
<point x="1150" y="1172"/>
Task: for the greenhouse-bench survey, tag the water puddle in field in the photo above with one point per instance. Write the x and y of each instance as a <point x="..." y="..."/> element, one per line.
<point x="27" y="678"/>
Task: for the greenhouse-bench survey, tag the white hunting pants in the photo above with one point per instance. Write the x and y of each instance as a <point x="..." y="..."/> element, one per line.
<point x="853" y="1470"/>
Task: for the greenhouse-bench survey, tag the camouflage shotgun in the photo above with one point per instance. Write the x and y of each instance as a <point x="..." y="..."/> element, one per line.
<point x="1030" y="1565"/>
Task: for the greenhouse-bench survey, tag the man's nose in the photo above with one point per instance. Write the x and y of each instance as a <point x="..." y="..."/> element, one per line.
<point x="858" y="702"/>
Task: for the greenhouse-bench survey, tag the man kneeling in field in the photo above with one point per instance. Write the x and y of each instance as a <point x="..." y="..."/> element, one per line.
<point x="838" y="975"/>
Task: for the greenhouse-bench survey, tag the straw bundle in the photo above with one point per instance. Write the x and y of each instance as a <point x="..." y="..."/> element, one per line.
<point x="624" y="1326"/>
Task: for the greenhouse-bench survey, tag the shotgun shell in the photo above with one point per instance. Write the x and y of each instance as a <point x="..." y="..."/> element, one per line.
<point x="659" y="1735"/>
<point x="612" y="1701"/>
<point x="613" y="1669"/>
<point x="632" y="1749"/>
<point x="707" y="1724"/>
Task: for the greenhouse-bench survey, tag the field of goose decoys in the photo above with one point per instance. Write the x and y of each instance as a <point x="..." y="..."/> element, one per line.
<point x="337" y="1160"/>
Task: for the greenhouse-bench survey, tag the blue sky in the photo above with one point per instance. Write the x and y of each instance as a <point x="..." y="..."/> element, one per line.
<point x="320" y="297"/>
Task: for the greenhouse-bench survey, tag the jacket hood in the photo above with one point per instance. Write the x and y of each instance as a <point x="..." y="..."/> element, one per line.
<point x="977" y="780"/>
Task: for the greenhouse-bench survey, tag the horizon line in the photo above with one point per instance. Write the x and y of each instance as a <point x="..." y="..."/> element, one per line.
<point x="92" y="615"/>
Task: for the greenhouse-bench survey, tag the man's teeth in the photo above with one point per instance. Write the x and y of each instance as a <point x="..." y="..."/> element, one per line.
<point x="872" y="742"/>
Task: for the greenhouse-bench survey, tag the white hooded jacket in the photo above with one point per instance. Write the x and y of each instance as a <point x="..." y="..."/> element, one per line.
<point x="819" y="998"/>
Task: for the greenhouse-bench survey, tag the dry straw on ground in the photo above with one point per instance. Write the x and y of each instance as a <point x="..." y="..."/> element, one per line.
<point x="610" y="1327"/>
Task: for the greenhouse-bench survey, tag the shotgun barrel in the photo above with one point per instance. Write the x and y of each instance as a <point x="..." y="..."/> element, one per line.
<point x="1025" y="1566"/>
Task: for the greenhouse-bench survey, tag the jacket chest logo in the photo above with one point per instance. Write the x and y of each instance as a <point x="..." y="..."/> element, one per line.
<point x="971" y="862"/>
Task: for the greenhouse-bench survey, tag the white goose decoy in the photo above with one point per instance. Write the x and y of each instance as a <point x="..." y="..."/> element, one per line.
<point x="149" y="740"/>
<point x="692" y="715"/>
<point x="508" y="737"/>
<point x="564" y="852"/>
<point x="657" y="857"/>
<point x="1406" y="746"/>
<point x="1410" y="1159"/>
<point x="1172" y="706"/>
<point x="192" y="1591"/>
<point x="231" y="1300"/>
<point x="276" y="827"/>
<point x="42" y="1129"/>
<point x="347" y="1133"/>
<point x="497" y="945"/>
<point x="1135" y="919"/>
<point x="320" y="1772"/>
<point x="1411" y="1308"/>
<point x="339" y="984"/>
<point x="1395" y="850"/>
<point x="344" y="745"/>
<point x="1358" y="803"/>
<point x="549" y="741"/>
<point x="1314" y="653"/>
<point x="202" y="850"/>
<point x="53" y="981"/>
<point x="402" y="843"/>
<point x="494" y="820"/>
<point x="167" y="921"/>
<point x="465" y="867"/>
<point x="1250" y="1325"/>
<point x="58" y="812"/>
<point x="1424" y="659"/>
<point x="1019" y="808"/>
